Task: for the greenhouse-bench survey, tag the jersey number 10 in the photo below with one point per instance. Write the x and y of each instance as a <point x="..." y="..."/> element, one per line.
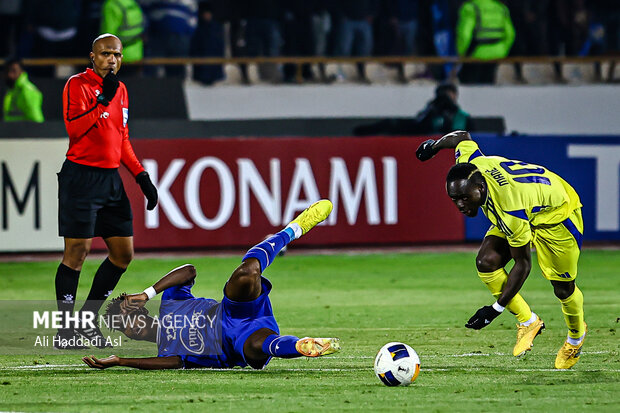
<point x="534" y="173"/>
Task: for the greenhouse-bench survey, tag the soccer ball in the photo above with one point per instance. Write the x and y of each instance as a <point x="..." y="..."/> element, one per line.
<point x="397" y="364"/>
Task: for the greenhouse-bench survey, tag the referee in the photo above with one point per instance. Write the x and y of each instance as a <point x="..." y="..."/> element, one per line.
<point x="91" y="199"/>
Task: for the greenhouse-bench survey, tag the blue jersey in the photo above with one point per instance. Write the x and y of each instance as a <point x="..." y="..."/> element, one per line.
<point x="190" y="326"/>
<point x="207" y="333"/>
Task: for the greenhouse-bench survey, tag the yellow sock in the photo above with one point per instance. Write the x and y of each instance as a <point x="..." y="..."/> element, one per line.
<point x="572" y="307"/>
<point x="495" y="282"/>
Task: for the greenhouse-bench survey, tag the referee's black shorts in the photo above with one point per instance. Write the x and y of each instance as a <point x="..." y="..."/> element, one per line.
<point x="92" y="203"/>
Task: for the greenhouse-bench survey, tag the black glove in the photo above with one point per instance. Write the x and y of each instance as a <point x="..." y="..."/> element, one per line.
<point x="426" y="151"/>
<point x="110" y="86"/>
<point x="482" y="318"/>
<point x="148" y="189"/>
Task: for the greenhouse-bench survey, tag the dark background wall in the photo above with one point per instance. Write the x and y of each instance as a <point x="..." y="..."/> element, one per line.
<point x="148" y="98"/>
<point x="158" y="109"/>
<point x="178" y="128"/>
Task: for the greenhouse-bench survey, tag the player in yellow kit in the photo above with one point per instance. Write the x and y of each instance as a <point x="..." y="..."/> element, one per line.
<point x="527" y="205"/>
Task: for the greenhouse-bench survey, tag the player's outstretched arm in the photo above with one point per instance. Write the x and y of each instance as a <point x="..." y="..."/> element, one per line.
<point x="429" y="148"/>
<point x="146" y="363"/>
<point x="185" y="274"/>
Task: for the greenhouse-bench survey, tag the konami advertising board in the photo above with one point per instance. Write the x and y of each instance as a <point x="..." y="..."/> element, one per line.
<point x="231" y="192"/>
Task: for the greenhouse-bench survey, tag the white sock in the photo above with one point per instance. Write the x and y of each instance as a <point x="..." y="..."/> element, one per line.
<point x="531" y="320"/>
<point x="296" y="229"/>
<point x="575" y="341"/>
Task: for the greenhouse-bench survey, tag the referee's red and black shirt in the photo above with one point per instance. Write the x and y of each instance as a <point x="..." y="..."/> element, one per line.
<point x="98" y="134"/>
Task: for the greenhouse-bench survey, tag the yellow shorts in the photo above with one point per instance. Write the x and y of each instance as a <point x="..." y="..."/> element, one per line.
<point x="557" y="247"/>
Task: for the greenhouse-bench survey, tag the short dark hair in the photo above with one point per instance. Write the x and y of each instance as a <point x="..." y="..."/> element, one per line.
<point x="467" y="171"/>
<point x="113" y="310"/>
<point x="205" y="6"/>
<point x="446" y="87"/>
<point x="12" y="61"/>
<point x="105" y="36"/>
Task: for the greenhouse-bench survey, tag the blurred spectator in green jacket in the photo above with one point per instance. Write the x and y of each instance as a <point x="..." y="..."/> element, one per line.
<point x="22" y="101"/>
<point x="124" y="19"/>
<point x="484" y="31"/>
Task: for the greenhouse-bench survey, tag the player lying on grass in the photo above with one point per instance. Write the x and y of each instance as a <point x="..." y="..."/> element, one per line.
<point x="198" y="332"/>
<point x="527" y="204"/>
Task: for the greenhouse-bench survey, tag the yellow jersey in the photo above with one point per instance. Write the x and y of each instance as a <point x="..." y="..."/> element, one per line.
<point x="520" y="196"/>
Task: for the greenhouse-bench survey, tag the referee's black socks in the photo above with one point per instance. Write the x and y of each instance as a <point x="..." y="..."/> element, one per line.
<point x="106" y="278"/>
<point x="66" y="288"/>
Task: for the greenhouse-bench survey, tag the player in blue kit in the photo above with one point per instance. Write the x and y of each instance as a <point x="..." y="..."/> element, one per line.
<point x="195" y="332"/>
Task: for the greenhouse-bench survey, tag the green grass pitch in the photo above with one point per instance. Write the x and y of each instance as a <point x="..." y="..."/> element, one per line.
<point x="422" y="299"/>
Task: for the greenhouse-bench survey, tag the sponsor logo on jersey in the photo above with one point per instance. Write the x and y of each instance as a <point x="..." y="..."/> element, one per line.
<point x="194" y="341"/>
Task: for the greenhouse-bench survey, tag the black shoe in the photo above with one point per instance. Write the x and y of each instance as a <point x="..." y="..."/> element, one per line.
<point x="94" y="336"/>
<point x="68" y="340"/>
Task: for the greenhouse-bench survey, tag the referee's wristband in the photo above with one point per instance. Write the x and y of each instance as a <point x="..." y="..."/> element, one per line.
<point x="150" y="292"/>
<point x="498" y="307"/>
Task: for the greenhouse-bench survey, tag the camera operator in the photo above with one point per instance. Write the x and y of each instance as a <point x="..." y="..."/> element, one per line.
<point x="441" y="115"/>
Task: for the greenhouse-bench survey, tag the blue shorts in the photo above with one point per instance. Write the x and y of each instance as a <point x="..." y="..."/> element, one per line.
<point x="241" y="319"/>
<point x="238" y="321"/>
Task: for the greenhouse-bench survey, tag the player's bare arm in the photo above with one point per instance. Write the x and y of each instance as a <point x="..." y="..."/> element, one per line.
<point x="146" y="363"/>
<point x="518" y="274"/>
<point x="182" y="275"/>
<point x="451" y="140"/>
<point x="430" y="147"/>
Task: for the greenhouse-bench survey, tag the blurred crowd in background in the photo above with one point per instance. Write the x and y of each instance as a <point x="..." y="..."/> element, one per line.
<point x="487" y="29"/>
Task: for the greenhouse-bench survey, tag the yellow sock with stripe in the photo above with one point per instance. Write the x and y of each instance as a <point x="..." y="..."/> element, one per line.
<point x="572" y="307"/>
<point x="495" y="282"/>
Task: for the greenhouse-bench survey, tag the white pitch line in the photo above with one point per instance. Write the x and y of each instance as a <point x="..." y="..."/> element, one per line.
<point x="42" y="366"/>
<point x="430" y="356"/>
<point x="276" y="370"/>
<point x="581" y="370"/>
<point x="301" y="370"/>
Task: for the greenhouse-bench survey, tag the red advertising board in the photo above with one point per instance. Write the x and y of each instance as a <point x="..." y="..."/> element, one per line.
<point x="232" y="192"/>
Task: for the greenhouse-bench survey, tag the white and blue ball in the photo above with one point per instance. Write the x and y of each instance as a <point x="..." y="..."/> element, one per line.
<point x="397" y="364"/>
